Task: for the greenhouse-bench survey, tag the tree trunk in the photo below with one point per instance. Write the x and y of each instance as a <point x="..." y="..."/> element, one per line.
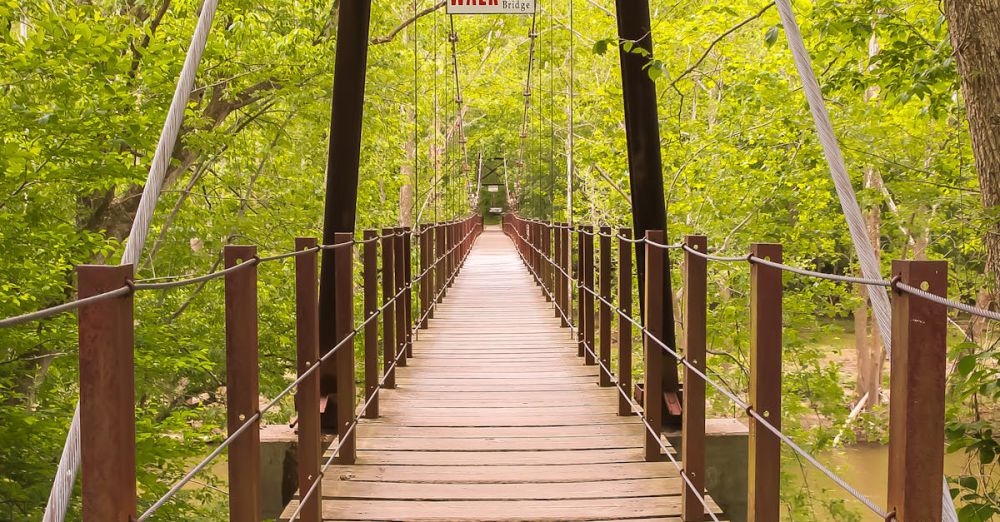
<point x="974" y="26"/>
<point x="871" y="356"/>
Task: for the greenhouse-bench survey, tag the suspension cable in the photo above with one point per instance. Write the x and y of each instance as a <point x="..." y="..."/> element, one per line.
<point x="69" y="461"/>
<point x="416" y="122"/>
<point x="532" y="36"/>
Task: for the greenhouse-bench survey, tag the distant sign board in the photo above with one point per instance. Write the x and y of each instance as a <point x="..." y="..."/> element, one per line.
<point x="492" y="188"/>
<point x="496" y="210"/>
<point x="491" y="6"/>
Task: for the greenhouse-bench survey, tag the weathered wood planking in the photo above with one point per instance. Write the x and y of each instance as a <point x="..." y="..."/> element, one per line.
<point x="496" y="418"/>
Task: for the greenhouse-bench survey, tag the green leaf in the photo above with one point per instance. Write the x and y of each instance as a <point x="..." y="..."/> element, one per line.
<point x="966" y="365"/>
<point x="771" y="35"/>
<point x="654" y="73"/>
<point x="601" y="46"/>
<point x="986" y="455"/>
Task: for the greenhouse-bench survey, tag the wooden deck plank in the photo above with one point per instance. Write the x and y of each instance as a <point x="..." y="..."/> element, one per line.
<point x="647" y="487"/>
<point x="503" y="474"/>
<point x="499" y="443"/>
<point x="497" y="458"/>
<point x="575" y="509"/>
<point x="496" y="418"/>
<point x="381" y="430"/>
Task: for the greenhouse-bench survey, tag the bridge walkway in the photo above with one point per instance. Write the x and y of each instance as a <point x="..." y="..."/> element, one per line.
<point x="496" y="418"/>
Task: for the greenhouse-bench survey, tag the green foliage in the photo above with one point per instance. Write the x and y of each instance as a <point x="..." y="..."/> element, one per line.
<point x="85" y="90"/>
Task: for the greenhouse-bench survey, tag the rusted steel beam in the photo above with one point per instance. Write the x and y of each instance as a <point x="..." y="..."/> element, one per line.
<point x="642" y="134"/>
<point x="388" y="312"/>
<point x="605" y="310"/>
<point x="343" y="160"/>
<point x="656" y="269"/>
<point x="765" y="384"/>
<point x="693" y="427"/>
<point x="624" y="326"/>
<point x="399" y="262"/>
<point x="242" y="395"/>
<point x="588" y="297"/>
<point x="370" y="277"/>
<point x="107" y="395"/>
<point x="917" y="392"/>
<point x="309" y="450"/>
<point x="344" y="359"/>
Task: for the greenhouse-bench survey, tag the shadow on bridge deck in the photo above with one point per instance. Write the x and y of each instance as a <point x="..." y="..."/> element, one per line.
<point x="496" y="418"/>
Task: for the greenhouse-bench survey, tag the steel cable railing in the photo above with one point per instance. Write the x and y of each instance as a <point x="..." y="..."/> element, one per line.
<point x="894" y="284"/>
<point x="381" y="385"/>
<point x="172" y="282"/>
<point x="312" y="369"/>
<point x="705" y="378"/>
<point x="636" y="409"/>
<point x="139" y="284"/>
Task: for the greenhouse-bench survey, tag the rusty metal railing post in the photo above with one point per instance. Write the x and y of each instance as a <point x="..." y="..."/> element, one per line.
<point x="343" y="263"/>
<point x="307" y="398"/>
<point x="535" y="244"/>
<point x="656" y="269"/>
<point x="425" y="261"/>
<point x="588" y="296"/>
<point x="388" y="312"/>
<point x="525" y="251"/>
<point x="242" y="395"/>
<point x="540" y="257"/>
<point x="605" y="309"/>
<point x="441" y="236"/>
<point x="107" y="395"/>
<point x="547" y="270"/>
<point x="449" y="235"/>
<point x="765" y="384"/>
<point x="917" y="392"/>
<point x="693" y="426"/>
<point x="431" y="276"/>
<point x="408" y="283"/>
<point x="370" y="277"/>
<point x="624" y="326"/>
<point x="567" y="264"/>
<point x="550" y="268"/>
<point x="559" y="280"/>
<point x="453" y="255"/>
<point x="581" y="319"/>
<point x="399" y="278"/>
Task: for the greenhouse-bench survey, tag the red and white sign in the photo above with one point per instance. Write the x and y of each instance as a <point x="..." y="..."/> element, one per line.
<point x="491" y="6"/>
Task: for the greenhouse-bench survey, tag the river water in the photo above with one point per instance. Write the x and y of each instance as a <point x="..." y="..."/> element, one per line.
<point x="865" y="467"/>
